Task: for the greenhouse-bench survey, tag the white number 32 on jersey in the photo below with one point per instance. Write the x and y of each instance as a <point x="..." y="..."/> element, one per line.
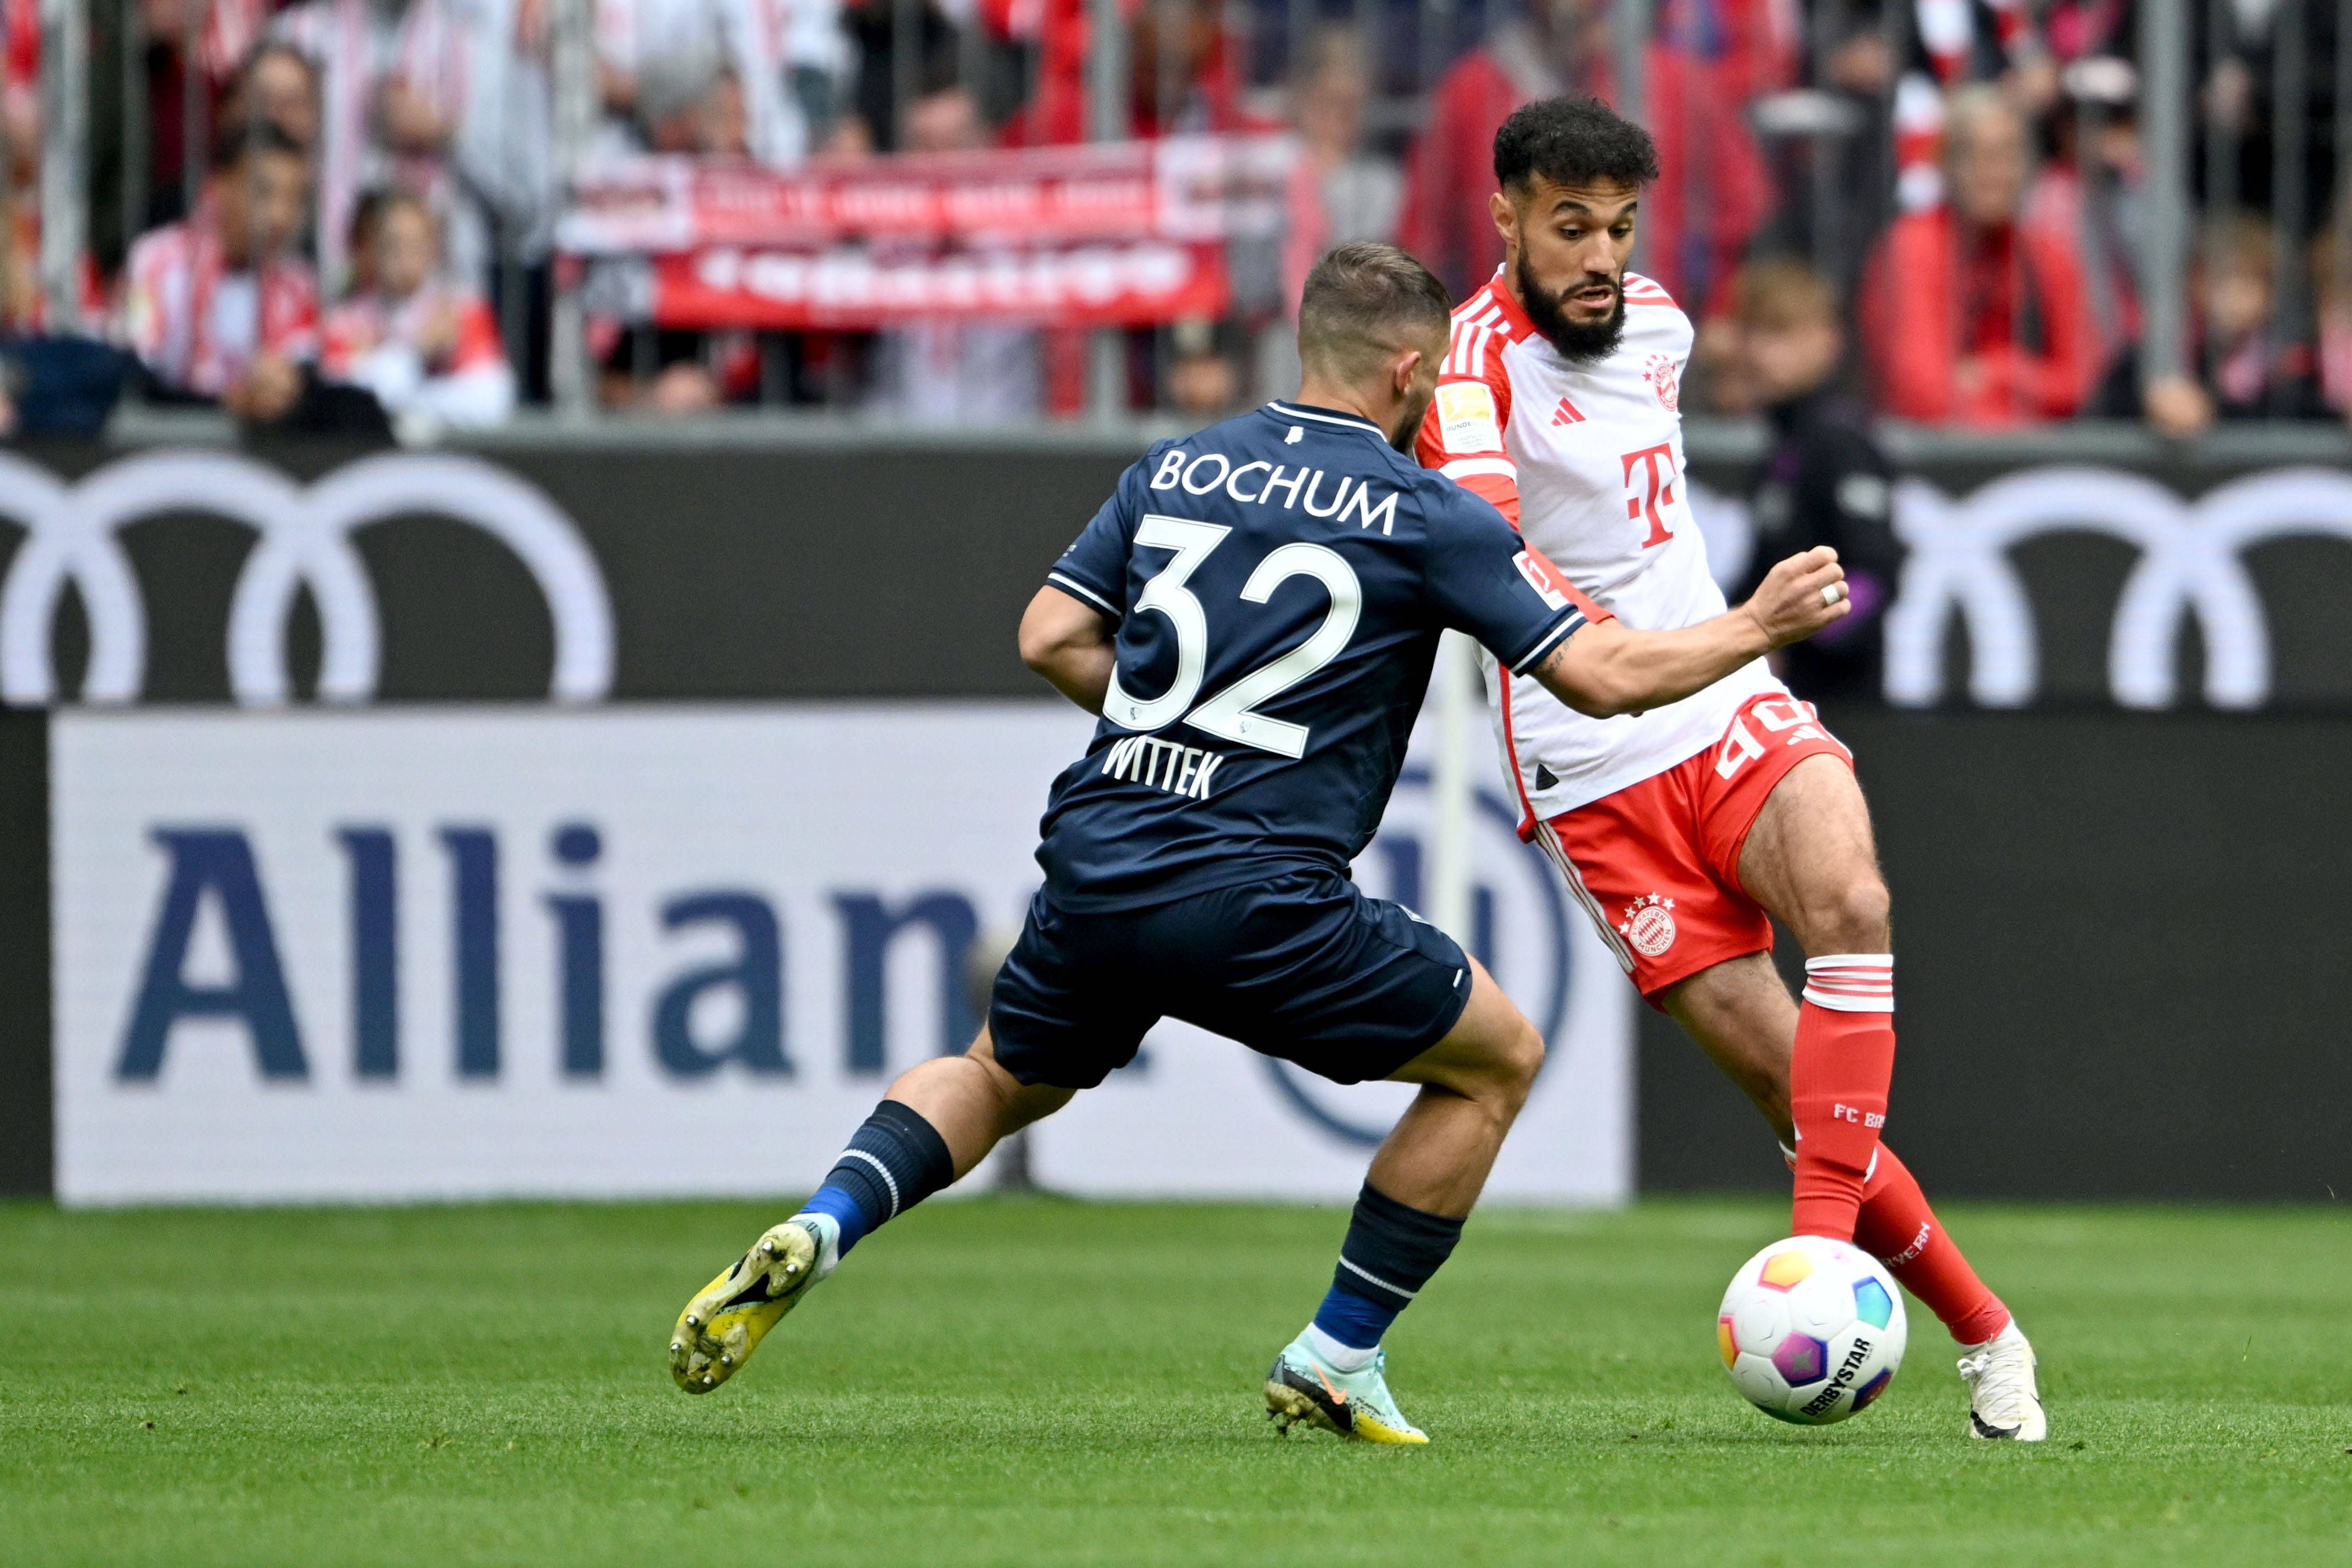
<point x="1232" y="714"/>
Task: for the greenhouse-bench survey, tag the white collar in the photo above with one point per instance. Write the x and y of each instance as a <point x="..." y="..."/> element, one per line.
<point x="1350" y="421"/>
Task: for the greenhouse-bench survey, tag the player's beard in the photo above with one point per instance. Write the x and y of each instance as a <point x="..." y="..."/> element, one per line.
<point x="1409" y="424"/>
<point x="1579" y="344"/>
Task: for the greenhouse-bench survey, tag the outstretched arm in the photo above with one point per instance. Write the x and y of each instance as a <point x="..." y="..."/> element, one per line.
<point x="1607" y="668"/>
<point x="1069" y="642"/>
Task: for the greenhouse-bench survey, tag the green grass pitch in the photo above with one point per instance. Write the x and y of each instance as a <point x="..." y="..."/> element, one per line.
<point x="1035" y="1381"/>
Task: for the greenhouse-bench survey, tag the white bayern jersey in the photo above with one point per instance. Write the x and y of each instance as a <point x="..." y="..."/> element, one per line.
<point x="1587" y="460"/>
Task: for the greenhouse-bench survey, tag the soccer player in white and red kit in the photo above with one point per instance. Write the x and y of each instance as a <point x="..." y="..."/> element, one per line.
<point x="1683" y="829"/>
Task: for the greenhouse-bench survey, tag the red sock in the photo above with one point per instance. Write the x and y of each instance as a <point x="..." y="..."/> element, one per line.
<point x="1837" y="1086"/>
<point x="1898" y="1228"/>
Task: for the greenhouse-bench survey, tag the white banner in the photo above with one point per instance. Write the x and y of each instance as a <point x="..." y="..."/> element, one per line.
<point x="427" y="954"/>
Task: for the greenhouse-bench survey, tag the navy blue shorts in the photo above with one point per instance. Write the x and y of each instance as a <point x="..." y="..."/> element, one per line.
<point x="1301" y="965"/>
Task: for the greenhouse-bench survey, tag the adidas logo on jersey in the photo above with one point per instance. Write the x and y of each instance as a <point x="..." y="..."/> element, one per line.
<point x="1567" y="413"/>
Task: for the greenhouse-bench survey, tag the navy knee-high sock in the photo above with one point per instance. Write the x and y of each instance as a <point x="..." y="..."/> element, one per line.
<point x="897" y="1160"/>
<point x="1390" y="1252"/>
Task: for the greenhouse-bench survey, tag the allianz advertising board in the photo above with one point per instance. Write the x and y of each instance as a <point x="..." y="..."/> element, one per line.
<point x="431" y="953"/>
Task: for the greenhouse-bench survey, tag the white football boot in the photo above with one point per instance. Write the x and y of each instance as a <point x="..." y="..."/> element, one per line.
<point x="2002" y="1400"/>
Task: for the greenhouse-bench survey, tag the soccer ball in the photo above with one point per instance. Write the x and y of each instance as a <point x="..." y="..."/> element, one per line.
<point x="1811" y="1329"/>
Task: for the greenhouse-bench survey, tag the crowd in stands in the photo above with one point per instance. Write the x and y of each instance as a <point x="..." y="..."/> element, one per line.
<point x="338" y="214"/>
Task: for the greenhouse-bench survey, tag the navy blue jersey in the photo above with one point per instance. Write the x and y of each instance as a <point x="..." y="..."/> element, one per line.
<point x="1279" y="581"/>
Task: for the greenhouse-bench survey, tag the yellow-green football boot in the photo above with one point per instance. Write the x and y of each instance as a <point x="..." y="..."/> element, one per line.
<point x="1302" y="1388"/>
<point x="728" y="1318"/>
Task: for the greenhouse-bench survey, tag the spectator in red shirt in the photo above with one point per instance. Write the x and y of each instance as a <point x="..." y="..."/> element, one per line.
<point x="218" y="307"/>
<point x="1967" y="316"/>
<point x="425" y="346"/>
<point x="1181" y="74"/>
<point x="1711" y="194"/>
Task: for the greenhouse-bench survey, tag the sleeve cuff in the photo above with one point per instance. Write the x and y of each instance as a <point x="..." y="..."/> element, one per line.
<point x="1561" y="630"/>
<point x="1071" y="585"/>
<point x="1462" y="468"/>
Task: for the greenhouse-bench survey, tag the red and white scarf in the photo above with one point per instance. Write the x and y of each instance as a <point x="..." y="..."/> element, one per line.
<point x="170" y="284"/>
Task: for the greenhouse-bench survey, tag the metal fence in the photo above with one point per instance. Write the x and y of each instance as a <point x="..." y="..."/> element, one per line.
<point x="2216" y="107"/>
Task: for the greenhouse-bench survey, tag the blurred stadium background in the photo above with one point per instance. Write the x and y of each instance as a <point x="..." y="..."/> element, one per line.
<point x="511" y="524"/>
<point x="516" y="509"/>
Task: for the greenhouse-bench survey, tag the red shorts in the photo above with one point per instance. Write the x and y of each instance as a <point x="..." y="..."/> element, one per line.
<point x="1657" y="864"/>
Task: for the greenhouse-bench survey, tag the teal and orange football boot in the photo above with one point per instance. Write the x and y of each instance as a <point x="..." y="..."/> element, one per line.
<point x="1302" y="1388"/>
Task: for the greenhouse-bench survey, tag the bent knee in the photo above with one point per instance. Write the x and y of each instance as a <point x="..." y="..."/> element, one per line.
<point x="1521" y="1058"/>
<point x="1852" y="918"/>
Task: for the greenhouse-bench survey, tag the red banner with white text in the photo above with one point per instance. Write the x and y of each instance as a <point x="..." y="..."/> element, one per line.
<point x="1118" y="234"/>
<point x="854" y="290"/>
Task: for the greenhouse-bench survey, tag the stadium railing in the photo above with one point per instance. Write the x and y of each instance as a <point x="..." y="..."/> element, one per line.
<point x="2200" y="157"/>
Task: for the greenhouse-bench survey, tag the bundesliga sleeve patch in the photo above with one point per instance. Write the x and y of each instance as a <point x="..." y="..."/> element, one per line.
<point x="1539" y="575"/>
<point x="1465" y="416"/>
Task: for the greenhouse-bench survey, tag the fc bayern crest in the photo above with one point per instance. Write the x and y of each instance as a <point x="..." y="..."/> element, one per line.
<point x="1649" y="925"/>
<point x="1660" y="373"/>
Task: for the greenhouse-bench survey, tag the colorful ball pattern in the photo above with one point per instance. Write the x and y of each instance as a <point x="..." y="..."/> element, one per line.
<point x="1811" y="1329"/>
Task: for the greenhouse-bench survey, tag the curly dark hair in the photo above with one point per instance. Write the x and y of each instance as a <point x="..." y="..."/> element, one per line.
<point x="1573" y="141"/>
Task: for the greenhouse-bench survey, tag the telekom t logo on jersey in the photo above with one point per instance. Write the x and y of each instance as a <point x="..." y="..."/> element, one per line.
<point x="1653" y="490"/>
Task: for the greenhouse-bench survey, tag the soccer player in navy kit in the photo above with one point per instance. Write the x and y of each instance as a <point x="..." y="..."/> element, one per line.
<point x="1253" y="615"/>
